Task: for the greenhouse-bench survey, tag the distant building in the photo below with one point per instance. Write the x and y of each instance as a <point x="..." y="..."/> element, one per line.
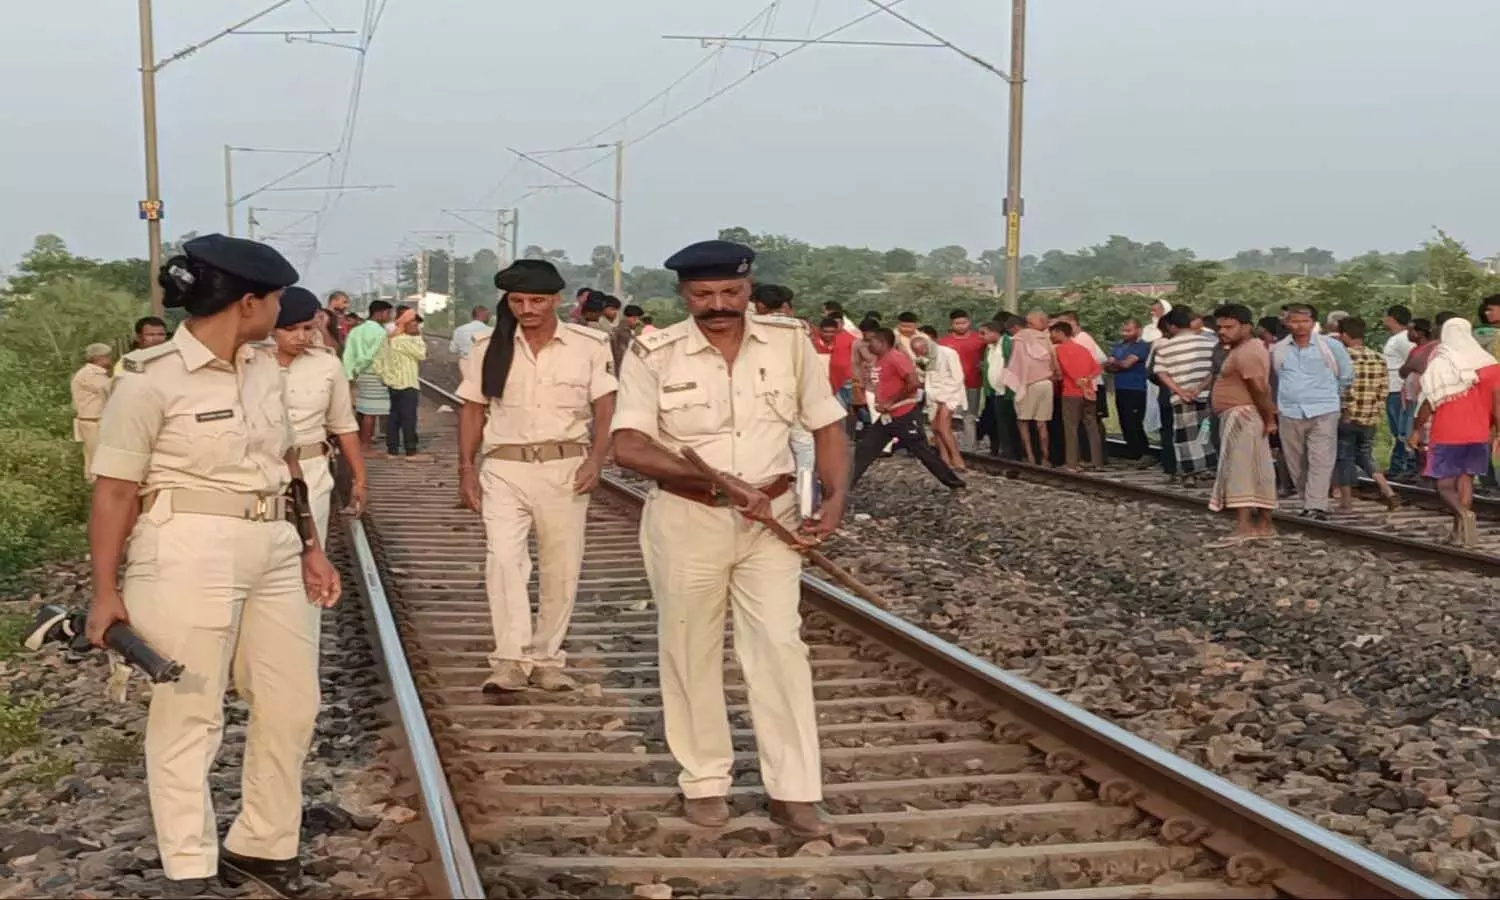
<point x="1140" y="290"/>
<point x="429" y="303"/>
<point x="982" y="283"/>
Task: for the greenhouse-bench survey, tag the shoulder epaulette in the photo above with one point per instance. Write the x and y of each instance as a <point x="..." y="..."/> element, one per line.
<point x="596" y="334"/>
<point x="481" y="340"/>
<point x="644" y="344"/>
<point x="137" y="360"/>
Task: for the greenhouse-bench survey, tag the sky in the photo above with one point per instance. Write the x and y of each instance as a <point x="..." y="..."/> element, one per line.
<point x="1212" y="124"/>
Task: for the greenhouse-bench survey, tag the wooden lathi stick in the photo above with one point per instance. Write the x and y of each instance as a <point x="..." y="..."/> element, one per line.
<point x="837" y="572"/>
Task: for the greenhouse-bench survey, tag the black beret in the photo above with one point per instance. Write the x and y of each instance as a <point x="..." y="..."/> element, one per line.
<point x="711" y="261"/>
<point x="530" y="276"/>
<point x="298" y="305"/>
<point x="250" y="260"/>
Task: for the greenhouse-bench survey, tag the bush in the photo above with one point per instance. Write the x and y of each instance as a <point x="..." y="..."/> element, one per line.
<point x="44" y="498"/>
<point x="34" y="527"/>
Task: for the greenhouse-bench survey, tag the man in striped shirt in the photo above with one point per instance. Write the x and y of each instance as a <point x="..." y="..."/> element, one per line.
<point x="1182" y="362"/>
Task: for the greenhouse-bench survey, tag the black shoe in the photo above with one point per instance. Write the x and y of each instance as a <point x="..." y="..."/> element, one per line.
<point x="197" y="887"/>
<point x="1320" y="515"/>
<point x="53" y="623"/>
<point x="282" y="876"/>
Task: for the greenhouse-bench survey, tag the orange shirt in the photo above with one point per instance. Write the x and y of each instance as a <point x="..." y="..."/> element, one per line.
<point x="1077" y="363"/>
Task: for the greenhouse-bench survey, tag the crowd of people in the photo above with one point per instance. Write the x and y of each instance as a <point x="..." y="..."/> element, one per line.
<point x="1270" y="410"/>
<point x="211" y="456"/>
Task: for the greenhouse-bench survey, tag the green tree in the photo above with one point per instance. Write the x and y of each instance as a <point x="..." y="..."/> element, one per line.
<point x="945" y="262"/>
<point x="1193" y="279"/>
<point x="834" y="273"/>
<point x="1263" y="292"/>
<point x="900" y="260"/>
<point x="49" y="260"/>
<point x="644" y="284"/>
<point x="602" y="264"/>
<point x="1458" y="281"/>
<point x="775" y="255"/>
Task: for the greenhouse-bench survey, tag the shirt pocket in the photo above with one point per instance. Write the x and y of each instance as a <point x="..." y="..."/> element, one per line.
<point x="203" y="441"/>
<point x="568" y="389"/>
<point x="307" y="398"/>
<point x="688" y="412"/>
<point x="776" y="398"/>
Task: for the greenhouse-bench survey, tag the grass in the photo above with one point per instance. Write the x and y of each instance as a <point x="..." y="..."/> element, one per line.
<point x="13" y="627"/>
<point x="113" y="748"/>
<point x="46" y="770"/>
<point x="20" y="724"/>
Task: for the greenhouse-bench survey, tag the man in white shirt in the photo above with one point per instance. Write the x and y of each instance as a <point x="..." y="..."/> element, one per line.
<point x="1398" y="414"/>
<point x="464" y="335"/>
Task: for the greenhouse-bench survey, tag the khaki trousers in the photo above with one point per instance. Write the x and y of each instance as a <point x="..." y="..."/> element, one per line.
<point x="87" y="433"/>
<point x="319" y="477"/>
<point x="700" y="559"/>
<point x="518" y="495"/>
<point x="220" y="595"/>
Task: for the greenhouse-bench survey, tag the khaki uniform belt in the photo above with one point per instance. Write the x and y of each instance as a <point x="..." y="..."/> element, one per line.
<point x="537" y="452"/>
<point x="86" y="418"/>
<point x="255" y="507"/>
<point x="772" y="490"/>
<point x="311" y="451"/>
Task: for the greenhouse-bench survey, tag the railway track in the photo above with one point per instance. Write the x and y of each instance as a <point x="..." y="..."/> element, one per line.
<point x="946" y="776"/>
<point x="1420" y="528"/>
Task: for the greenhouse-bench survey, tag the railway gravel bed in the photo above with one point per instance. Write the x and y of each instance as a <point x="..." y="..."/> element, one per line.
<point x="74" y="818"/>
<point x="1357" y="688"/>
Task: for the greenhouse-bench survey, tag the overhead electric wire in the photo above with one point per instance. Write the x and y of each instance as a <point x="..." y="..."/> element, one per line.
<point x="714" y="95"/>
<point x="662" y="94"/>
<point x="343" y="153"/>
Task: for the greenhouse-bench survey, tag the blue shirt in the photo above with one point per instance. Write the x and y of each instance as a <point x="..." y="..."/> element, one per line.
<point x="1133" y="378"/>
<point x="464" y="335"/>
<point x="1305" y="384"/>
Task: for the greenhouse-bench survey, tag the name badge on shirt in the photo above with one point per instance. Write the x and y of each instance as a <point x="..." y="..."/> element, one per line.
<point x="676" y="388"/>
<point x="215" y="416"/>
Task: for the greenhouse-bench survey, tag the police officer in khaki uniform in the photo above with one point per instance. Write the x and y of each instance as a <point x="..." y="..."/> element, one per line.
<point x="541" y="383"/>
<point x="196" y="473"/>
<point x="319" y="403"/>
<point x="731" y="386"/>
<point x="90" y="387"/>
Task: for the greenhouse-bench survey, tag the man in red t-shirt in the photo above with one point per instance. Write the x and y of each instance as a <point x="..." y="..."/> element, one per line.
<point x="895" y="413"/>
<point x="831" y="339"/>
<point x="971" y="348"/>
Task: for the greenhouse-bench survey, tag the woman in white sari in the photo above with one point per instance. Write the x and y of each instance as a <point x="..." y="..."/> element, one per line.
<point x="1151" y="334"/>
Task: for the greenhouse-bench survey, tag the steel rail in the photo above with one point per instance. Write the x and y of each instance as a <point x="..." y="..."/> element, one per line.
<point x="1474" y="560"/>
<point x="1419" y="495"/>
<point x="457" y="859"/>
<point x="1261" y="841"/>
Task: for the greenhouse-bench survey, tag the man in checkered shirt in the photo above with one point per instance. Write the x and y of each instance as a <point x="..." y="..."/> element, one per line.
<point x="1362" y="405"/>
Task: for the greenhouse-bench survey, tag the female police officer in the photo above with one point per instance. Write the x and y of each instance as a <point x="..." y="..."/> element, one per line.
<point x="318" y="402"/>
<point x="194" y="465"/>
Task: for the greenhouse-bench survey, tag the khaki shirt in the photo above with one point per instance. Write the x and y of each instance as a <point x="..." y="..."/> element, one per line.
<point x="548" y="396"/>
<point x="90" y="388"/>
<point x="180" y="418"/>
<point x="317" y="396"/>
<point x="675" y="387"/>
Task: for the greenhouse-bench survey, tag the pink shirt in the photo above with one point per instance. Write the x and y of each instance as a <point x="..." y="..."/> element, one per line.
<point x="1030" y="360"/>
